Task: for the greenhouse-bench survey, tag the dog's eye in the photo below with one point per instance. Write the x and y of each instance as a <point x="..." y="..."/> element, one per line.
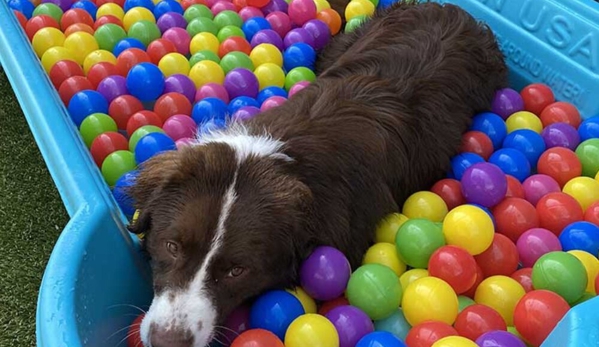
<point x="172" y="248"/>
<point x="235" y="271"/>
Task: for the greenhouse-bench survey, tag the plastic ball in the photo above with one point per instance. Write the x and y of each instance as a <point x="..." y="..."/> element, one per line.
<point x="536" y="97"/>
<point x="99" y="71"/>
<point x="269" y="75"/>
<point x="387" y="228"/>
<point x="492" y="125"/>
<point x="469" y="227"/>
<point x="450" y="190"/>
<point x="484" y="184"/>
<point x="116" y="165"/>
<point x="582" y="236"/>
<point x="308" y="302"/>
<point x="331" y="18"/>
<point x="298" y="35"/>
<point x="560" y="112"/>
<point x="514" y="188"/>
<point x="385" y="254"/>
<point x="455" y="266"/>
<point x="37" y="23"/>
<point x="241" y="82"/>
<point x="254" y="25"/>
<point x="279" y="22"/>
<point x="141" y="132"/>
<point x="296" y="88"/>
<point x="268" y="36"/>
<point x="416" y="240"/>
<point x="130" y="58"/>
<point x="428" y="332"/>
<point x="537" y="186"/>
<point x="524" y="277"/>
<point x="537" y="313"/>
<point x="53" y="55"/>
<point x="108" y="35"/>
<point x="272" y="102"/>
<point x="274" y="311"/>
<point x="524" y="120"/>
<point x="231" y="31"/>
<point x="410" y="276"/>
<point x="501" y="258"/>
<point x="97" y="57"/>
<point x="513" y="216"/>
<point x="534" y="243"/>
<point x="429" y="298"/>
<point x="206" y="55"/>
<point x="358" y="8"/>
<point x="170" y="104"/>
<point x="257" y="338"/>
<point x="380" y="339"/>
<point x="129" y="4"/>
<point x="72" y="86"/>
<point x="46" y="38"/>
<point x="325" y="273"/>
<point x="133" y="333"/>
<point x="24" y="7"/>
<point x="426" y="205"/>
<point x="528" y="142"/>
<point x="206" y="72"/>
<point x="561" y="135"/>
<point x="145" y="31"/>
<point x="174" y="63"/>
<point x="557" y="210"/>
<point x="588" y="154"/>
<point x="201" y="24"/>
<point x="248" y="12"/>
<point x="181" y="84"/>
<point x="85" y="103"/>
<point x="562" y="273"/>
<point x="105" y="144"/>
<point x="244" y="113"/>
<point x="140" y="119"/>
<point x="122" y="108"/>
<point x="584" y="189"/>
<point x="464" y="301"/>
<point x="108" y="19"/>
<point x="479" y="278"/>
<point x="501" y="293"/>
<point x="560" y="163"/>
<point x="212" y="90"/>
<point x="477" y="142"/>
<point x="233" y="60"/>
<point x="167" y="6"/>
<point x="207" y="109"/>
<point x="241" y="101"/>
<point x="180" y="38"/>
<point x="119" y="192"/>
<point x="301" y="11"/>
<point x="375" y="289"/>
<point x="48" y="9"/>
<point x="320" y="32"/>
<point x="327" y="306"/>
<point x="63" y="69"/>
<point x="592" y="213"/>
<point x="75" y="15"/>
<point x="499" y="338"/>
<point x="269" y="92"/>
<point x="477" y="319"/>
<point x="111" y="9"/>
<point x="151" y="145"/>
<point x="311" y="330"/>
<point x="589" y="128"/>
<point x="112" y="87"/>
<point x="179" y="126"/>
<point x="145" y="81"/>
<point x="507" y="102"/>
<point x="591" y="265"/>
<point x="512" y="162"/>
<point x="396" y="324"/>
<point x="94" y="125"/>
<point x="350" y="323"/>
<point x="461" y="162"/>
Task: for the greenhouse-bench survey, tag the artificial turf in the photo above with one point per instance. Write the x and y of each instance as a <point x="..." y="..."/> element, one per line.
<point x="31" y="218"/>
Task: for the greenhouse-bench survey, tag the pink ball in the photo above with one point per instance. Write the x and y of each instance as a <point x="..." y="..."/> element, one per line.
<point x="537" y="186"/>
<point x="280" y="22"/>
<point x="297" y="87"/>
<point x="220" y="6"/>
<point x="250" y="12"/>
<point x="301" y="11"/>
<point x="273" y="101"/>
<point x="180" y="38"/>
<point x="186" y="141"/>
<point x="212" y="90"/>
<point x="179" y="126"/>
<point x="534" y="243"/>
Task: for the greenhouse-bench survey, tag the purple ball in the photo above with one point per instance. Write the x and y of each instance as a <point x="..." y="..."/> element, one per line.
<point x="320" y="32"/>
<point x="267" y="36"/>
<point x="171" y="20"/>
<point x="351" y="324"/>
<point x="64" y="5"/>
<point x="561" y="135"/>
<point x="246" y="112"/>
<point x="113" y="86"/>
<point x="181" y="84"/>
<point x="274" y="6"/>
<point x="325" y="273"/>
<point x="499" y="338"/>
<point x="484" y="184"/>
<point x="537" y="186"/>
<point x="241" y="82"/>
<point x="506" y="102"/>
<point x="535" y="242"/>
<point x="298" y="35"/>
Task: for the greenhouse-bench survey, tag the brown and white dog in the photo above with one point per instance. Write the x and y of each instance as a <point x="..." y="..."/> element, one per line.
<point x="235" y="214"/>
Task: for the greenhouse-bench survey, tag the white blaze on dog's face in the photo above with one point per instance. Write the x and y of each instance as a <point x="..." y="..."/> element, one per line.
<point x="219" y="218"/>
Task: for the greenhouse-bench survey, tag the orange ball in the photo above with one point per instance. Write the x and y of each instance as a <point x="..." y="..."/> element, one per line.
<point x="560" y="111"/>
<point x="257" y="338"/>
<point x="331" y="18"/>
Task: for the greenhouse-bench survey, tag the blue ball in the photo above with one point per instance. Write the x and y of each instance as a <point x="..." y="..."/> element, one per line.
<point x="145" y="81"/>
<point x="461" y="162"/>
<point x="583" y="236"/>
<point x="395" y="324"/>
<point x="274" y="311"/>
<point x="127" y="43"/>
<point x="589" y="129"/>
<point x="492" y="125"/>
<point x="528" y="142"/>
<point x="380" y="339"/>
<point x="86" y="102"/>
<point x="299" y="54"/>
<point x="512" y="162"/>
<point x="152" y="144"/>
<point x="23" y="6"/>
<point x="241" y="101"/>
<point x="124" y="200"/>
<point x="383" y="4"/>
<point x="87" y="6"/>
<point x="253" y="25"/>
<point x="165" y="6"/>
<point x="270" y="91"/>
<point x="208" y="109"/>
<point x="129" y="4"/>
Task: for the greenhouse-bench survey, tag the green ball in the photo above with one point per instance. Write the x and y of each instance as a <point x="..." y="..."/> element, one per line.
<point x="116" y="165"/>
<point x="94" y="125"/>
<point x="141" y="132"/>
<point x="196" y="11"/>
<point x="203" y="55"/>
<point x="588" y="154"/>
<point x="562" y="273"/>
<point x="416" y="240"/>
<point x="463" y="302"/>
<point x="234" y="60"/>
<point x="355" y="23"/>
<point x="228" y="17"/>
<point x="49" y="9"/>
<point x="201" y="25"/>
<point x="229" y="31"/>
<point x="375" y="289"/>
<point x="145" y="31"/>
<point x="298" y="74"/>
<point x="108" y="35"/>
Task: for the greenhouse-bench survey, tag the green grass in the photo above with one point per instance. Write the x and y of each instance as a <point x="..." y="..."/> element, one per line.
<point x="31" y="218"/>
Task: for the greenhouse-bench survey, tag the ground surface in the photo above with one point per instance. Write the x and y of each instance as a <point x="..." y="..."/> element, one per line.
<point x="31" y="218"/>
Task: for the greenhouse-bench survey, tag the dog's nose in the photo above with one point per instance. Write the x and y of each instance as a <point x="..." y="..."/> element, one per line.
<point x="176" y="337"/>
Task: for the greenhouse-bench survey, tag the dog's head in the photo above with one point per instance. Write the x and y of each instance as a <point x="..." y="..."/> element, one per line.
<point x="221" y="221"/>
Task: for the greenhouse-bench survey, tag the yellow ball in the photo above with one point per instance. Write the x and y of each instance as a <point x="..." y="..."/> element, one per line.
<point x="425" y="204"/>
<point x="321" y="5"/>
<point x="135" y="15"/>
<point x="80" y="44"/>
<point x="307" y="302"/>
<point x="269" y="75"/>
<point x="110" y="9"/>
<point x="46" y="38"/>
<point x="584" y="189"/>
<point x="97" y="56"/>
<point x="591" y="265"/>
<point x="266" y="53"/>
<point x="53" y="55"/>
<point x="385" y="254"/>
<point x="174" y="63"/>
<point x="206" y="71"/>
<point x="204" y="41"/>
<point x="501" y="293"/>
<point x="410" y="276"/>
<point x="597" y="177"/>
<point x="429" y="298"/>
<point x="311" y="330"/>
<point x="358" y="8"/>
<point x="469" y="227"/>
<point x="387" y="228"/>
<point x="524" y="120"/>
<point x="454" y="341"/>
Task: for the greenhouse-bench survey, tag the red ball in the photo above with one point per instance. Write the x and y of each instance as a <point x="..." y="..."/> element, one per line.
<point x="75" y="15"/>
<point x="106" y="143"/>
<point x="159" y="48"/>
<point x="62" y="70"/>
<point x="514" y="188"/>
<point x="560" y="112"/>
<point x="513" y="216"/>
<point x="39" y="22"/>
<point x="133" y="335"/>
<point x="257" y="338"/>
<point x="536" y="97"/>
<point x="187" y="3"/>
<point x="537" y="313"/>
<point x="257" y="3"/>
<point x="122" y="108"/>
<point x="477" y="142"/>
<point x="107" y="19"/>
<point x="560" y="163"/>
<point x="592" y="213"/>
<point x="21" y="18"/>
<point x="239" y="4"/>
<point x="478" y="319"/>
<point x="501" y="258"/>
<point x="100" y="71"/>
<point x="556" y="210"/>
<point x="142" y="118"/>
<point x="72" y="86"/>
<point x="171" y="104"/>
<point x="455" y="266"/>
<point x="331" y="304"/>
<point x="427" y="333"/>
<point x="129" y="58"/>
<point x="233" y="44"/>
<point x="524" y="277"/>
<point x="597" y="284"/>
<point x="99" y="3"/>
<point x="479" y="278"/>
<point x="450" y="190"/>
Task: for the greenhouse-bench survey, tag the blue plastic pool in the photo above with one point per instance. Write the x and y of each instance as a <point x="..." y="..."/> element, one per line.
<point x="96" y="275"/>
